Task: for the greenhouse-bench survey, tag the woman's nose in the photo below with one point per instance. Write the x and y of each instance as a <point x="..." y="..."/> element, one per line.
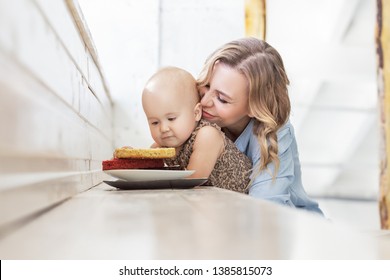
<point x="206" y="100"/>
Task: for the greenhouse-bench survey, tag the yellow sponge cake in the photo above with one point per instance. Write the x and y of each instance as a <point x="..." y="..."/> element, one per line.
<point x="145" y="153"/>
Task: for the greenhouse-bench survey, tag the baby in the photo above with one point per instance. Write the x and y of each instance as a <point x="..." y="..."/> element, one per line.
<point x="171" y="103"/>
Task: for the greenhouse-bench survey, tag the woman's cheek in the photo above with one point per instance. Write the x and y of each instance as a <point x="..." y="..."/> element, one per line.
<point x="222" y="112"/>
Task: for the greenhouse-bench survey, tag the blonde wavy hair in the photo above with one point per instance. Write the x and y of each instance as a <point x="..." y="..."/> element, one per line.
<point x="269" y="103"/>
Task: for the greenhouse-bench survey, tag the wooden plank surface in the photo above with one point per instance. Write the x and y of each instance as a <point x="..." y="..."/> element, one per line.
<point x="199" y="223"/>
<point x="255" y="18"/>
<point x="383" y="56"/>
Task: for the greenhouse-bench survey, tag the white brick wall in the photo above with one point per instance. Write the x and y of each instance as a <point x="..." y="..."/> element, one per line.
<point x="55" y="110"/>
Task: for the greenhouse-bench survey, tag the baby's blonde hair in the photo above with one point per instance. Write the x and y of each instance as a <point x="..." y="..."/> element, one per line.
<point x="269" y="103"/>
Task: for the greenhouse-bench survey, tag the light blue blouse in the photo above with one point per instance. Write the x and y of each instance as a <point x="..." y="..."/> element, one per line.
<point x="287" y="188"/>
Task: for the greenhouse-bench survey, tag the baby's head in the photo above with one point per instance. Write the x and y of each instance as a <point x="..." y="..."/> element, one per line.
<point x="171" y="104"/>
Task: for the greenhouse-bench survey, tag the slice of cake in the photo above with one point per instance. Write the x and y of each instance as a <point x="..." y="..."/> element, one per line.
<point x="119" y="163"/>
<point x="145" y="153"/>
<point x="129" y="158"/>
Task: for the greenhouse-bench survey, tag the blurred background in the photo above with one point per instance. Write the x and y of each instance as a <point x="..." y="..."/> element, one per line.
<point x="72" y="73"/>
<point x="71" y="77"/>
<point x="329" y="52"/>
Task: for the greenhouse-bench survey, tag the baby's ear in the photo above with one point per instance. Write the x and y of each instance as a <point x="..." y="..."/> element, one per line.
<point x="198" y="112"/>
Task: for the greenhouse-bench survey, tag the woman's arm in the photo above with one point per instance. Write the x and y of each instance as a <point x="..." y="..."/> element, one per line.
<point x="286" y="188"/>
<point x="208" y="146"/>
<point x="277" y="189"/>
<point x="264" y="186"/>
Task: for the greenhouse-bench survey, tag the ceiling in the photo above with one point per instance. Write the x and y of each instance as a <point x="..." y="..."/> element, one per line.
<point x="329" y="52"/>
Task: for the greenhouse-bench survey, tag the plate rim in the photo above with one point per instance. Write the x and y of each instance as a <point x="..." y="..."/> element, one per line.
<point x="144" y="172"/>
<point x="173" y="183"/>
<point x="151" y="169"/>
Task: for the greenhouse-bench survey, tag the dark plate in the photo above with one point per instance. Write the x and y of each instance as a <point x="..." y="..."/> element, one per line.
<point x="157" y="184"/>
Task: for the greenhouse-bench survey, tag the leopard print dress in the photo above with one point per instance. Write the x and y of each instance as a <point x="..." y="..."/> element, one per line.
<point x="232" y="169"/>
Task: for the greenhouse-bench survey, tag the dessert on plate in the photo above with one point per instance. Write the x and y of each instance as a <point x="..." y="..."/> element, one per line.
<point x="130" y="158"/>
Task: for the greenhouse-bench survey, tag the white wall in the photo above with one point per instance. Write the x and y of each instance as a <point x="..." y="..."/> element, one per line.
<point x="55" y="109"/>
<point x="134" y="38"/>
<point x="329" y="52"/>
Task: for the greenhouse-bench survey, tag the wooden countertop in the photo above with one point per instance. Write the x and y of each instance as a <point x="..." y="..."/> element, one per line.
<point x="198" y="223"/>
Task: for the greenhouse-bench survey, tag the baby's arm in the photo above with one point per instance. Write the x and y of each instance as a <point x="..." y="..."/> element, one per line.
<point x="208" y="146"/>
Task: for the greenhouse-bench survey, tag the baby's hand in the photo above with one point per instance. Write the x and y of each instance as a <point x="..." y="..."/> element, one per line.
<point x="155" y="145"/>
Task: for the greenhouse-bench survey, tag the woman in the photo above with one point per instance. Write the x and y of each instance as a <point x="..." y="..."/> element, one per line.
<point x="243" y="86"/>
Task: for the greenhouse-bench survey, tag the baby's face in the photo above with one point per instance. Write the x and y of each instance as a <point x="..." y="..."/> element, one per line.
<point x="171" y="119"/>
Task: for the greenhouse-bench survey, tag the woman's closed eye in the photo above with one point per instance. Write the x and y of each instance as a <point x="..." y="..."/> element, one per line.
<point x="171" y="119"/>
<point x="221" y="99"/>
